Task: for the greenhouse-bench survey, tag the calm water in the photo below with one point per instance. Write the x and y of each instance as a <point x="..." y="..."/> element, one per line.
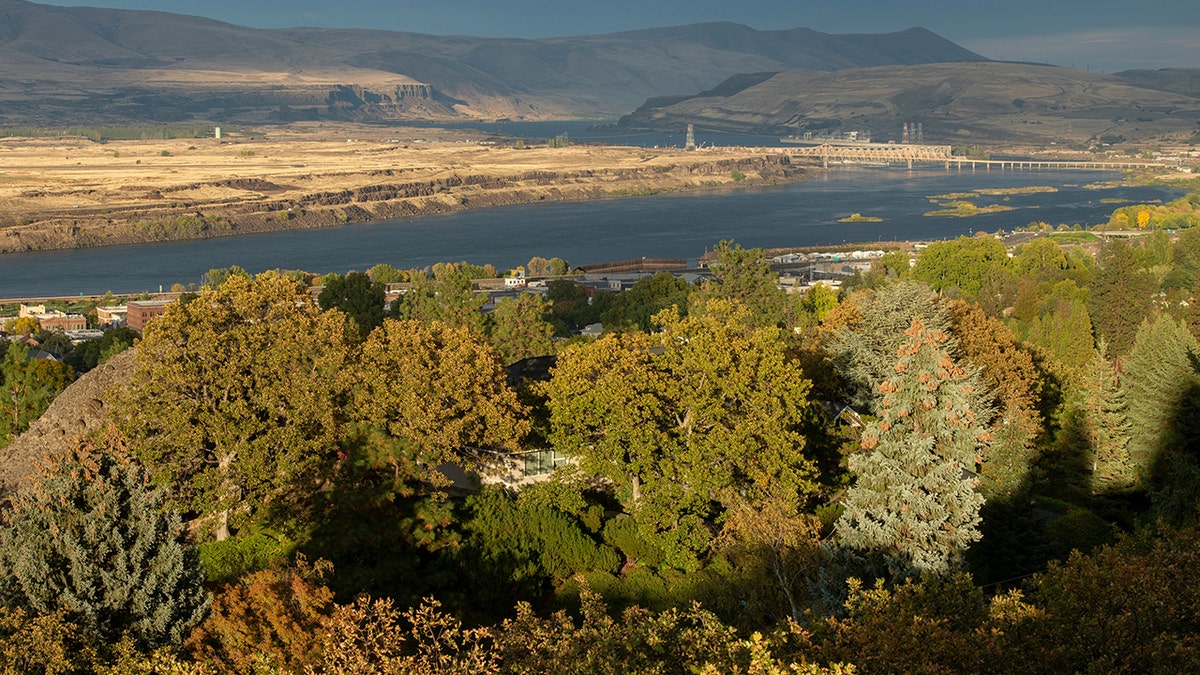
<point x="682" y="226"/>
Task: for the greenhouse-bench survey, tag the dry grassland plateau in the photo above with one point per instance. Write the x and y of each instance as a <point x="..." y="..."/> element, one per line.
<point x="68" y="192"/>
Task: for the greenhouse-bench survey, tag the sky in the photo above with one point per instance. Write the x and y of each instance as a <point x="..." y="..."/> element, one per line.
<point x="1097" y="35"/>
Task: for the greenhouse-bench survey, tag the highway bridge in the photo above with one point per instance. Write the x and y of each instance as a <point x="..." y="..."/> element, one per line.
<point x="891" y="153"/>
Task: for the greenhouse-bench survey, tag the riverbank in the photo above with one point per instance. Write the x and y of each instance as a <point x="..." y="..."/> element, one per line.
<point x="75" y="193"/>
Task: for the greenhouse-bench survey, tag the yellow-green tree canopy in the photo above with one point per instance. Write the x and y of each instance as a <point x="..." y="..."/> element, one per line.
<point x="438" y="388"/>
<point x="237" y="397"/>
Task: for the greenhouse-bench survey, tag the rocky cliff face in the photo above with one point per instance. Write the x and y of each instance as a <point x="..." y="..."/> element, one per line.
<point x="76" y="412"/>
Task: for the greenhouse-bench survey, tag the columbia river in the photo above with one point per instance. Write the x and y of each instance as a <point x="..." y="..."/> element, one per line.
<point x="674" y="226"/>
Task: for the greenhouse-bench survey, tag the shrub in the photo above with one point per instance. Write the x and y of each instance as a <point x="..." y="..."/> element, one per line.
<point x="90" y="539"/>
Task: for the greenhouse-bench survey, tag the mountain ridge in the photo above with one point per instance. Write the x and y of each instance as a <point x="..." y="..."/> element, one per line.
<point x="954" y="102"/>
<point x="80" y="63"/>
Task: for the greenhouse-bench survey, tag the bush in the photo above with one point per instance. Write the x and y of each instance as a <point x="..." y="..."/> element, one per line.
<point x="90" y="539"/>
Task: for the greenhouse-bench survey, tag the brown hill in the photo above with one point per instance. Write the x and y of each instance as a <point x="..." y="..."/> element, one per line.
<point x="79" y="64"/>
<point x="954" y="102"/>
<point x="1184" y="81"/>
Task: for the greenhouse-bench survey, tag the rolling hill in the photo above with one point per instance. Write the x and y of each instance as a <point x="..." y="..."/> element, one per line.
<point x="954" y="102"/>
<point x="85" y="65"/>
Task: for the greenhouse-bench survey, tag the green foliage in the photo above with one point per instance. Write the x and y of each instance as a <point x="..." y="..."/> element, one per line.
<point x="914" y="503"/>
<point x="219" y="275"/>
<point x="520" y="328"/>
<point x="447" y="297"/>
<point x="744" y="276"/>
<point x="1120" y="296"/>
<point x="525" y="549"/>
<point x="91" y="353"/>
<point x="570" y="303"/>
<point x="28" y="387"/>
<point x="90" y="539"/>
<point x="961" y="266"/>
<point x="635" y="307"/>
<point x="359" y="298"/>
<point x="714" y="419"/>
<point x="1159" y="372"/>
<point x="183" y="227"/>
<point x="237" y="397"/>
<point x="228" y="560"/>
<point x="386" y="274"/>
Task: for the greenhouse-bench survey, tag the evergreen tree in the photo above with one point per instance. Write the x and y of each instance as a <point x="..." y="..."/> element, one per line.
<point x="864" y="351"/>
<point x="1158" y="373"/>
<point x="1107" y="426"/>
<point x="1120" y="296"/>
<point x="914" y="502"/>
<point x="90" y="538"/>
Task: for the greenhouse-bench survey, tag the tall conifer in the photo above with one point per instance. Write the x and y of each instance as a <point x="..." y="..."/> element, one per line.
<point x="914" y="501"/>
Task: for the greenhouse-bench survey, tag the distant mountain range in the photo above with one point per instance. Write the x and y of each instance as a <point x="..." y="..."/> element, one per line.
<point x="63" y="65"/>
<point x="954" y="103"/>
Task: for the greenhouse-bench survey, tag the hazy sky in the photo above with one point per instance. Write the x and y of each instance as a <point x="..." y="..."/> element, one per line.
<point x="1104" y="35"/>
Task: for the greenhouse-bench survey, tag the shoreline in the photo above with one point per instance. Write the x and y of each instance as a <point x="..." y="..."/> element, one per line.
<point x="139" y="192"/>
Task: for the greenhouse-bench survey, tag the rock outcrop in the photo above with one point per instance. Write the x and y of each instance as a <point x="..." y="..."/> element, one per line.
<point x="77" y="411"/>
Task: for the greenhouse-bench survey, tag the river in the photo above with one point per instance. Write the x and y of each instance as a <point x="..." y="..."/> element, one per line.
<point x="676" y="226"/>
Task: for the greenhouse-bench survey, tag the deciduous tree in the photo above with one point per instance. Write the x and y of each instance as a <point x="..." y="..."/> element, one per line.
<point x="238" y="397"/>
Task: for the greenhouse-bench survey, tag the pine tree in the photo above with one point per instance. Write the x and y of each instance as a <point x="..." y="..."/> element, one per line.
<point x="90" y="539"/>
<point x="914" y="502"/>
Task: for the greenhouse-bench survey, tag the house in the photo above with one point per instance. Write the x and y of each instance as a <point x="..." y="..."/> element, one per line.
<point x="111" y="316"/>
<point x="138" y="312"/>
<point x="52" y="319"/>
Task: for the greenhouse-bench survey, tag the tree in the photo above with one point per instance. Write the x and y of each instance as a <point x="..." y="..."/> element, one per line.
<point x="1041" y="257"/>
<point x="1160" y="370"/>
<point x="359" y="298"/>
<point x="237" y="397"/>
<point x="570" y="303"/>
<point x="1121" y="296"/>
<point x="1014" y="380"/>
<point x="1108" y="427"/>
<point x="913" y="502"/>
<point x="439" y="390"/>
<point x="90" y="538"/>
<point x="447" y="297"/>
<point x="864" y="348"/>
<point x="217" y="276"/>
<point x="713" y="420"/>
<point x="25" y="325"/>
<point x="744" y="276"/>
<point x="961" y="265"/>
<point x="635" y="307"/>
<point x="1063" y="327"/>
<point x="268" y="621"/>
<point x="520" y="329"/>
<point x="28" y="387"/>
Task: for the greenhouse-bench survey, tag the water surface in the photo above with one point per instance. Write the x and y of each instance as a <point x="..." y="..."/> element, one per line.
<point x="675" y="226"/>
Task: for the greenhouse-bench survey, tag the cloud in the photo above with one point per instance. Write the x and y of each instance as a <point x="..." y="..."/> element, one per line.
<point x="1107" y="50"/>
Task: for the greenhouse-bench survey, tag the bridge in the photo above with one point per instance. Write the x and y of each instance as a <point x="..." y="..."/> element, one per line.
<point x="891" y="153"/>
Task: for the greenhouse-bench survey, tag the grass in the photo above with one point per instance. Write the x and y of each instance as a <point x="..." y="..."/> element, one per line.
<point x="1073" y="237"/>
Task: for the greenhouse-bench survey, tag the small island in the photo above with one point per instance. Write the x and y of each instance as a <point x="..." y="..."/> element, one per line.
<point x="860" y="218"/>
<point x="965" y="209"/>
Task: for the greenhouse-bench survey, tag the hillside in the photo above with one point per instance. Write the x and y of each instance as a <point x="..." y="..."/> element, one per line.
<point x="954" y="102"/>
<point x="87" y="65"/>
